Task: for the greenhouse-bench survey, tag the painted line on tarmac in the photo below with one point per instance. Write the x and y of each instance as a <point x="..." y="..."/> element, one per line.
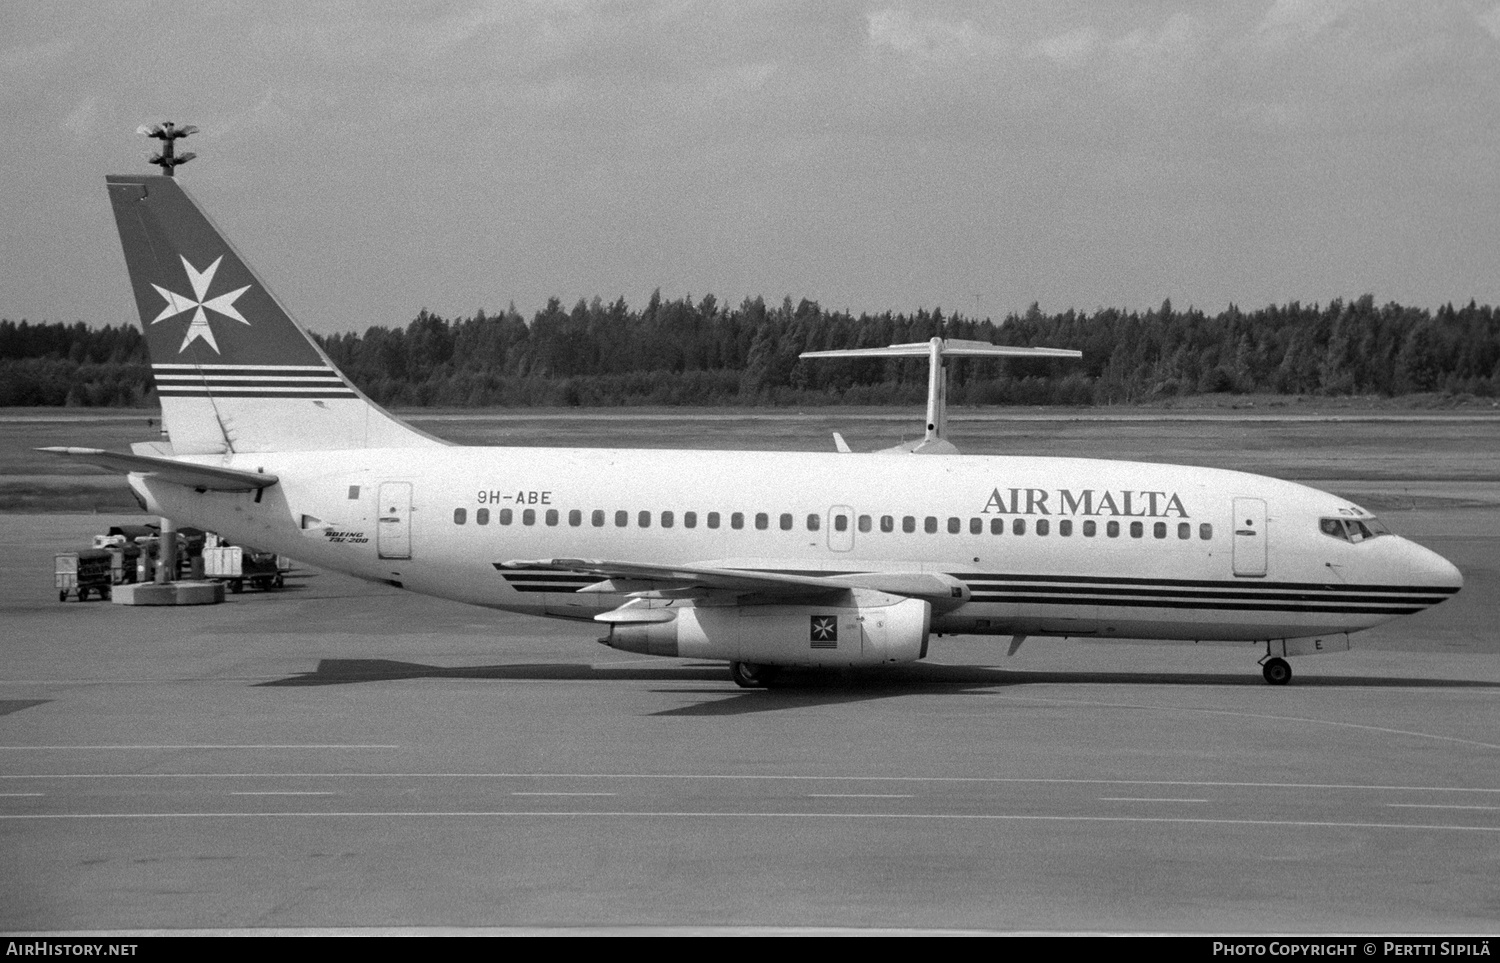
<point x="279" y="793"/>
<point x="1437" y="806"/>
<point x="929" y="817"/>
<point x="724" y="777"/>
<point x="859" y="795"/>
<point x="13" y="795"/>
<point x="1247" y="715"/>
<point x="210" y="746"/>
<point x="564" y="794"/>
<point x="1149" y="799"/>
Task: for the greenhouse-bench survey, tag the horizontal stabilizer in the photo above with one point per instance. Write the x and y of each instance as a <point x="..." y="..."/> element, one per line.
<point x="934" y="439"/>
<point x="951" y="348"/>
<point x="204" y="477"/>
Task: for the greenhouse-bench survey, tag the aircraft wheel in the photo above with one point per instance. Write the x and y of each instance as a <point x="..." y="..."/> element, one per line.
<point x="236" y="586"/>
<point x="1277" y="672"/>
<point x="62" y="596"/>
<point x="752" y="675"/>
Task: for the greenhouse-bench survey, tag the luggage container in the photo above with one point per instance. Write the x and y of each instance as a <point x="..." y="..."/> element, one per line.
<point x="236" y="565"/>
<point x="79" y="573"/>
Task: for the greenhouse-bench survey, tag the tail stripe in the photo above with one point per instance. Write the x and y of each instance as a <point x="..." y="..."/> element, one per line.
<point x="250" y="381"/>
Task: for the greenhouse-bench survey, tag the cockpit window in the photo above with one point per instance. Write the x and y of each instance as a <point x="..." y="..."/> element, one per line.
<point x="1352" y="529"/>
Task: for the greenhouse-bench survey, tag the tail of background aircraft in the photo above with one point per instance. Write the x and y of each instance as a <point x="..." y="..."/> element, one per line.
<point x="234" y="372"/>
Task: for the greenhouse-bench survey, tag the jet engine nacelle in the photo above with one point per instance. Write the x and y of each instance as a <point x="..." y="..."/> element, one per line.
<point x="866" y="628"/>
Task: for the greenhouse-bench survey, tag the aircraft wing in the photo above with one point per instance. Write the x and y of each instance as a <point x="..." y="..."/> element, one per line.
<point x="205" y="477"/>
<point x="645" y="580"/>
<point x="679" y="580"/>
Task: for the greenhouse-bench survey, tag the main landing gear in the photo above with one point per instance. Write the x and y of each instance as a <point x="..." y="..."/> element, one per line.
<point x="1276" y="671"/>
<point x="753" y="675"/>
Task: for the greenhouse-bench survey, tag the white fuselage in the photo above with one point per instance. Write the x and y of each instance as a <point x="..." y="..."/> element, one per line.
<point x="1043" y="546"/>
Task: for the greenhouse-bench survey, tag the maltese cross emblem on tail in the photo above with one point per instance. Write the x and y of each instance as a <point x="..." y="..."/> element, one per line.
<point x="198" y="327"/>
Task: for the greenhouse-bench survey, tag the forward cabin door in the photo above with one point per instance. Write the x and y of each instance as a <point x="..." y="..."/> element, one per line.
<point x="1250" y="537"/>
<point x="840" y="528"/>
<point x="393" y="529"/>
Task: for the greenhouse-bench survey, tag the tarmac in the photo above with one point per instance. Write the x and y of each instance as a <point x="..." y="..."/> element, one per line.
<point x="341" y="757"/>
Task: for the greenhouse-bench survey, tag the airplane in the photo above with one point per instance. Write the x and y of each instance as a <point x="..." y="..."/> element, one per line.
<point x="764" y="560"/>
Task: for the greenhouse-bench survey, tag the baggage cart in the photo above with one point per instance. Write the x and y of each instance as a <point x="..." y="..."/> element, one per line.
<point x="236" y="565"/>
<point x="81" y="573"/>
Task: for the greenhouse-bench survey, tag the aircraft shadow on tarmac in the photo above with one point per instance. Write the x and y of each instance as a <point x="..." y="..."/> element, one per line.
<point x="799" y="688"/>
<point x="7" y="706"/>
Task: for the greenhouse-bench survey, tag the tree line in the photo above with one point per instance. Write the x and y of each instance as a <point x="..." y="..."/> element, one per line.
<point x="700" y="352"/>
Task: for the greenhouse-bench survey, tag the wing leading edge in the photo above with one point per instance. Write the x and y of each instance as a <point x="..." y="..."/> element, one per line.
<point x="646" y="580"/>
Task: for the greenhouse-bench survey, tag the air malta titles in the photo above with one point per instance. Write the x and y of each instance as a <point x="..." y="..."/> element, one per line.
<point x="1088" y="501"/>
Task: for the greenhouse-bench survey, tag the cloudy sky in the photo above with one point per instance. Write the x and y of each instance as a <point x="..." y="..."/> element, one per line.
<point x="372" y="159"/>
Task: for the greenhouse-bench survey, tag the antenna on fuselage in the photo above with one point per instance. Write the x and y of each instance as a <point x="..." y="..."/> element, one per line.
<point x="934" y="440"/>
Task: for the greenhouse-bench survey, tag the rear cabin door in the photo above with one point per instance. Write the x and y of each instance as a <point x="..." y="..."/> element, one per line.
<point x="393" y="528"/>
<point x="840" y="528"/>
<point x="1250" y="537"/>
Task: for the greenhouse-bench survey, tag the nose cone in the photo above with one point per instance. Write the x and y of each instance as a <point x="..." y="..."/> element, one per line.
<point x="1428" y="570"/>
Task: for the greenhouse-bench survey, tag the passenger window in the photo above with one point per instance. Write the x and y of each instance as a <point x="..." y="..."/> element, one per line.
<point x="786" y="521"/>
<point x="997" y="526"/>
<point x="1205" y="531"/>
<point x="713" y="519"/>
<point x="955" y="525"/>
<point x="1137" y="529"/>
<point x="1159" y="530"/>
<point x="506" y="516"/>
<point x="575" y="518"/>
<point x="643" y="519"/>
<point x="622" y="518"/>
<point x="1089" y="528"/>
<point x="908" y="524"/>
<point x="551" y="516"/>
<point x="737" y="520"/>
<point x="1112" y="529"/>
<point x="762" y="521"/>
<point x="1018" y="526"/>
<point x="528" y="517"/>
<point x="667" y="518"/>
<point x="1042" y="526"/>
<point x="976" y="526"/>
<point x="1184" y="530"/>
<point x="865" y="521"/>
<point x="597" y="518"/>
<point x="458" y="516"/>
<point x="929" y="525"/>
<point x="482" y="516"/>
<point x="689" y="519"/>
<point x="1065" y="527"/>
<point x="840" y="522"/>
<point x="887" y="523"/>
